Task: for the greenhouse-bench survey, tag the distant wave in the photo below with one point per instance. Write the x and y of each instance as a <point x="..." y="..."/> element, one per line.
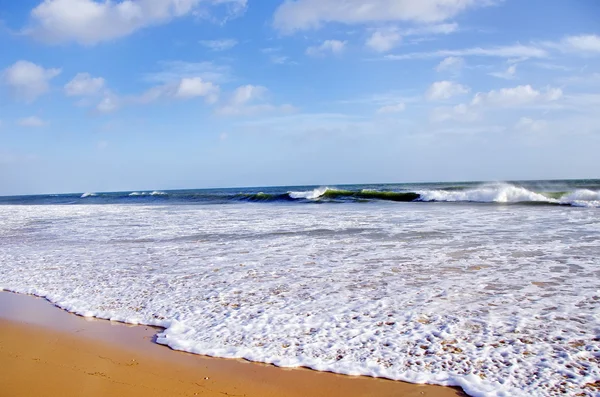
<point x="507" y="193"/>
<point x="584" y="193"/>
<point x="364" y="194"/>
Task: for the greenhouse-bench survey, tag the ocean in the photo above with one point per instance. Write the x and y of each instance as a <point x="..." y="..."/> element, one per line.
<point x="493" y="287"/>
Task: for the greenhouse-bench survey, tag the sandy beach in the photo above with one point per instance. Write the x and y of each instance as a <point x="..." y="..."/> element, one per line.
<point x="47" y="351"/>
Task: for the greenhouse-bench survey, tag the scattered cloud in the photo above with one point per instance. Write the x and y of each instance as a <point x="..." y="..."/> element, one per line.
<point x="460" y="113"/>
<point x="335" y="47"/>
<point x="298" y="15"/>
<point x="388" y="109"/>
<point x="386" y="38"/>
<point x="552" y="66"/>
<point x="219" y="45"/>
<point x="89" y="22"/>
<point x="517" y="96"/>
<point x="451" y="64"/>
<point x="520" y="96"/>
<point x="28" y="81"/>
<point x="247" y="93"/>
<point x="196" y="87"/>
<point x="275" y="56"/>
<point x="441" y="90"/>
<point x="84" y="85"/>
<point x="383" y="40"/>
<point x="280" y="59"/>
<point x="587" y="79"/>
<point x="582" y="44"/>
<point x="249" y="100"/>
<point x="185" y="88"/>
<point x="108" y="104"/>
<point x="509" y="74"/>
<point x="32" y="121"/>
<point x="174" y="71"/>
<point x="512" y="51"/>
<point x="442" y="28"/>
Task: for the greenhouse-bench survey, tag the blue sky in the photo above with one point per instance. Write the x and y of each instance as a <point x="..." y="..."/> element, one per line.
<point x="159" y="94"/>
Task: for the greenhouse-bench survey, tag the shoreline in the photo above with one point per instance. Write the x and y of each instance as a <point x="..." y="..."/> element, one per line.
<point x="47" y="350"/>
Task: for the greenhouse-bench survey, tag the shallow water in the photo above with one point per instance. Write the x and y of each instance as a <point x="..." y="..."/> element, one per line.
<point x="501" y="300"/>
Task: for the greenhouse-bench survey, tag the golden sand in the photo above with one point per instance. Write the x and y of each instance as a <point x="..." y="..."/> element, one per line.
<point x="45" y="351"/>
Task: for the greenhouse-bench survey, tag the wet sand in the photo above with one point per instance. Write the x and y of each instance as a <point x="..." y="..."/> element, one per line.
<point x="49" y="352"/>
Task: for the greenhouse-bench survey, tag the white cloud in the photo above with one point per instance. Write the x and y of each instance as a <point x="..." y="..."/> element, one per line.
<point x="91" y="21"/>
<point x="196" y="87"/>
<point x="328" y="46"/>
<point x="84" y="85"/>
<point x="443" y="28"/>
<point x="451" y="64"/>
<point x="383" y="40"/>
<point x="584" y="44"/>
<point x="520" y="96"/>
<point x="108" y="104"/>
<point x="530" y="125"/>
<point x="270" y="50"/>
<point x="276" y="57"/>
<point x="308" y="14"/>
<point x="219" y="45"/>
<point x="441" y="90"/>
<point x="174" y="71"/>
<point x="512" y="51"/>
<point x="517" y="96"/>
<point x="27" y="80"/>
<point x="508" y="74"/>
<point x="461" y="113"/>
<point x="249" y="100"/>
<point x="32" y="121"/>
<point x="247" y="93"/>
<point x="280" y="59"/>
<point x="388" y="109"/>
<point x="386" y="38"/>
<point x="183" y="89"/>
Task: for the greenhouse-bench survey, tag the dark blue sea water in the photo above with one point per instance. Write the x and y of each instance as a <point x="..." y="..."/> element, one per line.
<point x="584" y="192"/>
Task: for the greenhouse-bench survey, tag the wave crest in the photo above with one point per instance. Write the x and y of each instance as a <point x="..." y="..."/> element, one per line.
<point x="496" y="193"/>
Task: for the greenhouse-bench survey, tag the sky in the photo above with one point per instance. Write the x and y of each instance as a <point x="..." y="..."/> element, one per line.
<point x="99" y="95"/>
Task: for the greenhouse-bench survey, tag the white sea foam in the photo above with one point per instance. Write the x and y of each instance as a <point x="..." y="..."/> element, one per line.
<point x="310" y="194"/>
<point x="507" y="193"/>
<point x="503" y="301"/>
<point x="154" y="193"/>
<point x="582" y="198"/>
<point x="84" y="195"/>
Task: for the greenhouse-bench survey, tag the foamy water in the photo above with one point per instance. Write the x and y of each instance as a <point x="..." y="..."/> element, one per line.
<point x="503" y="301"/>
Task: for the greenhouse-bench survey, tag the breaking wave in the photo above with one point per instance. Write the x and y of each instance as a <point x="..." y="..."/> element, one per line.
<point x="570" y="193"/>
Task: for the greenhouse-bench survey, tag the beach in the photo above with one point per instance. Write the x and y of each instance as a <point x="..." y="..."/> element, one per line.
<point x="492" y="288"/>
<point x="46" y="351"/>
